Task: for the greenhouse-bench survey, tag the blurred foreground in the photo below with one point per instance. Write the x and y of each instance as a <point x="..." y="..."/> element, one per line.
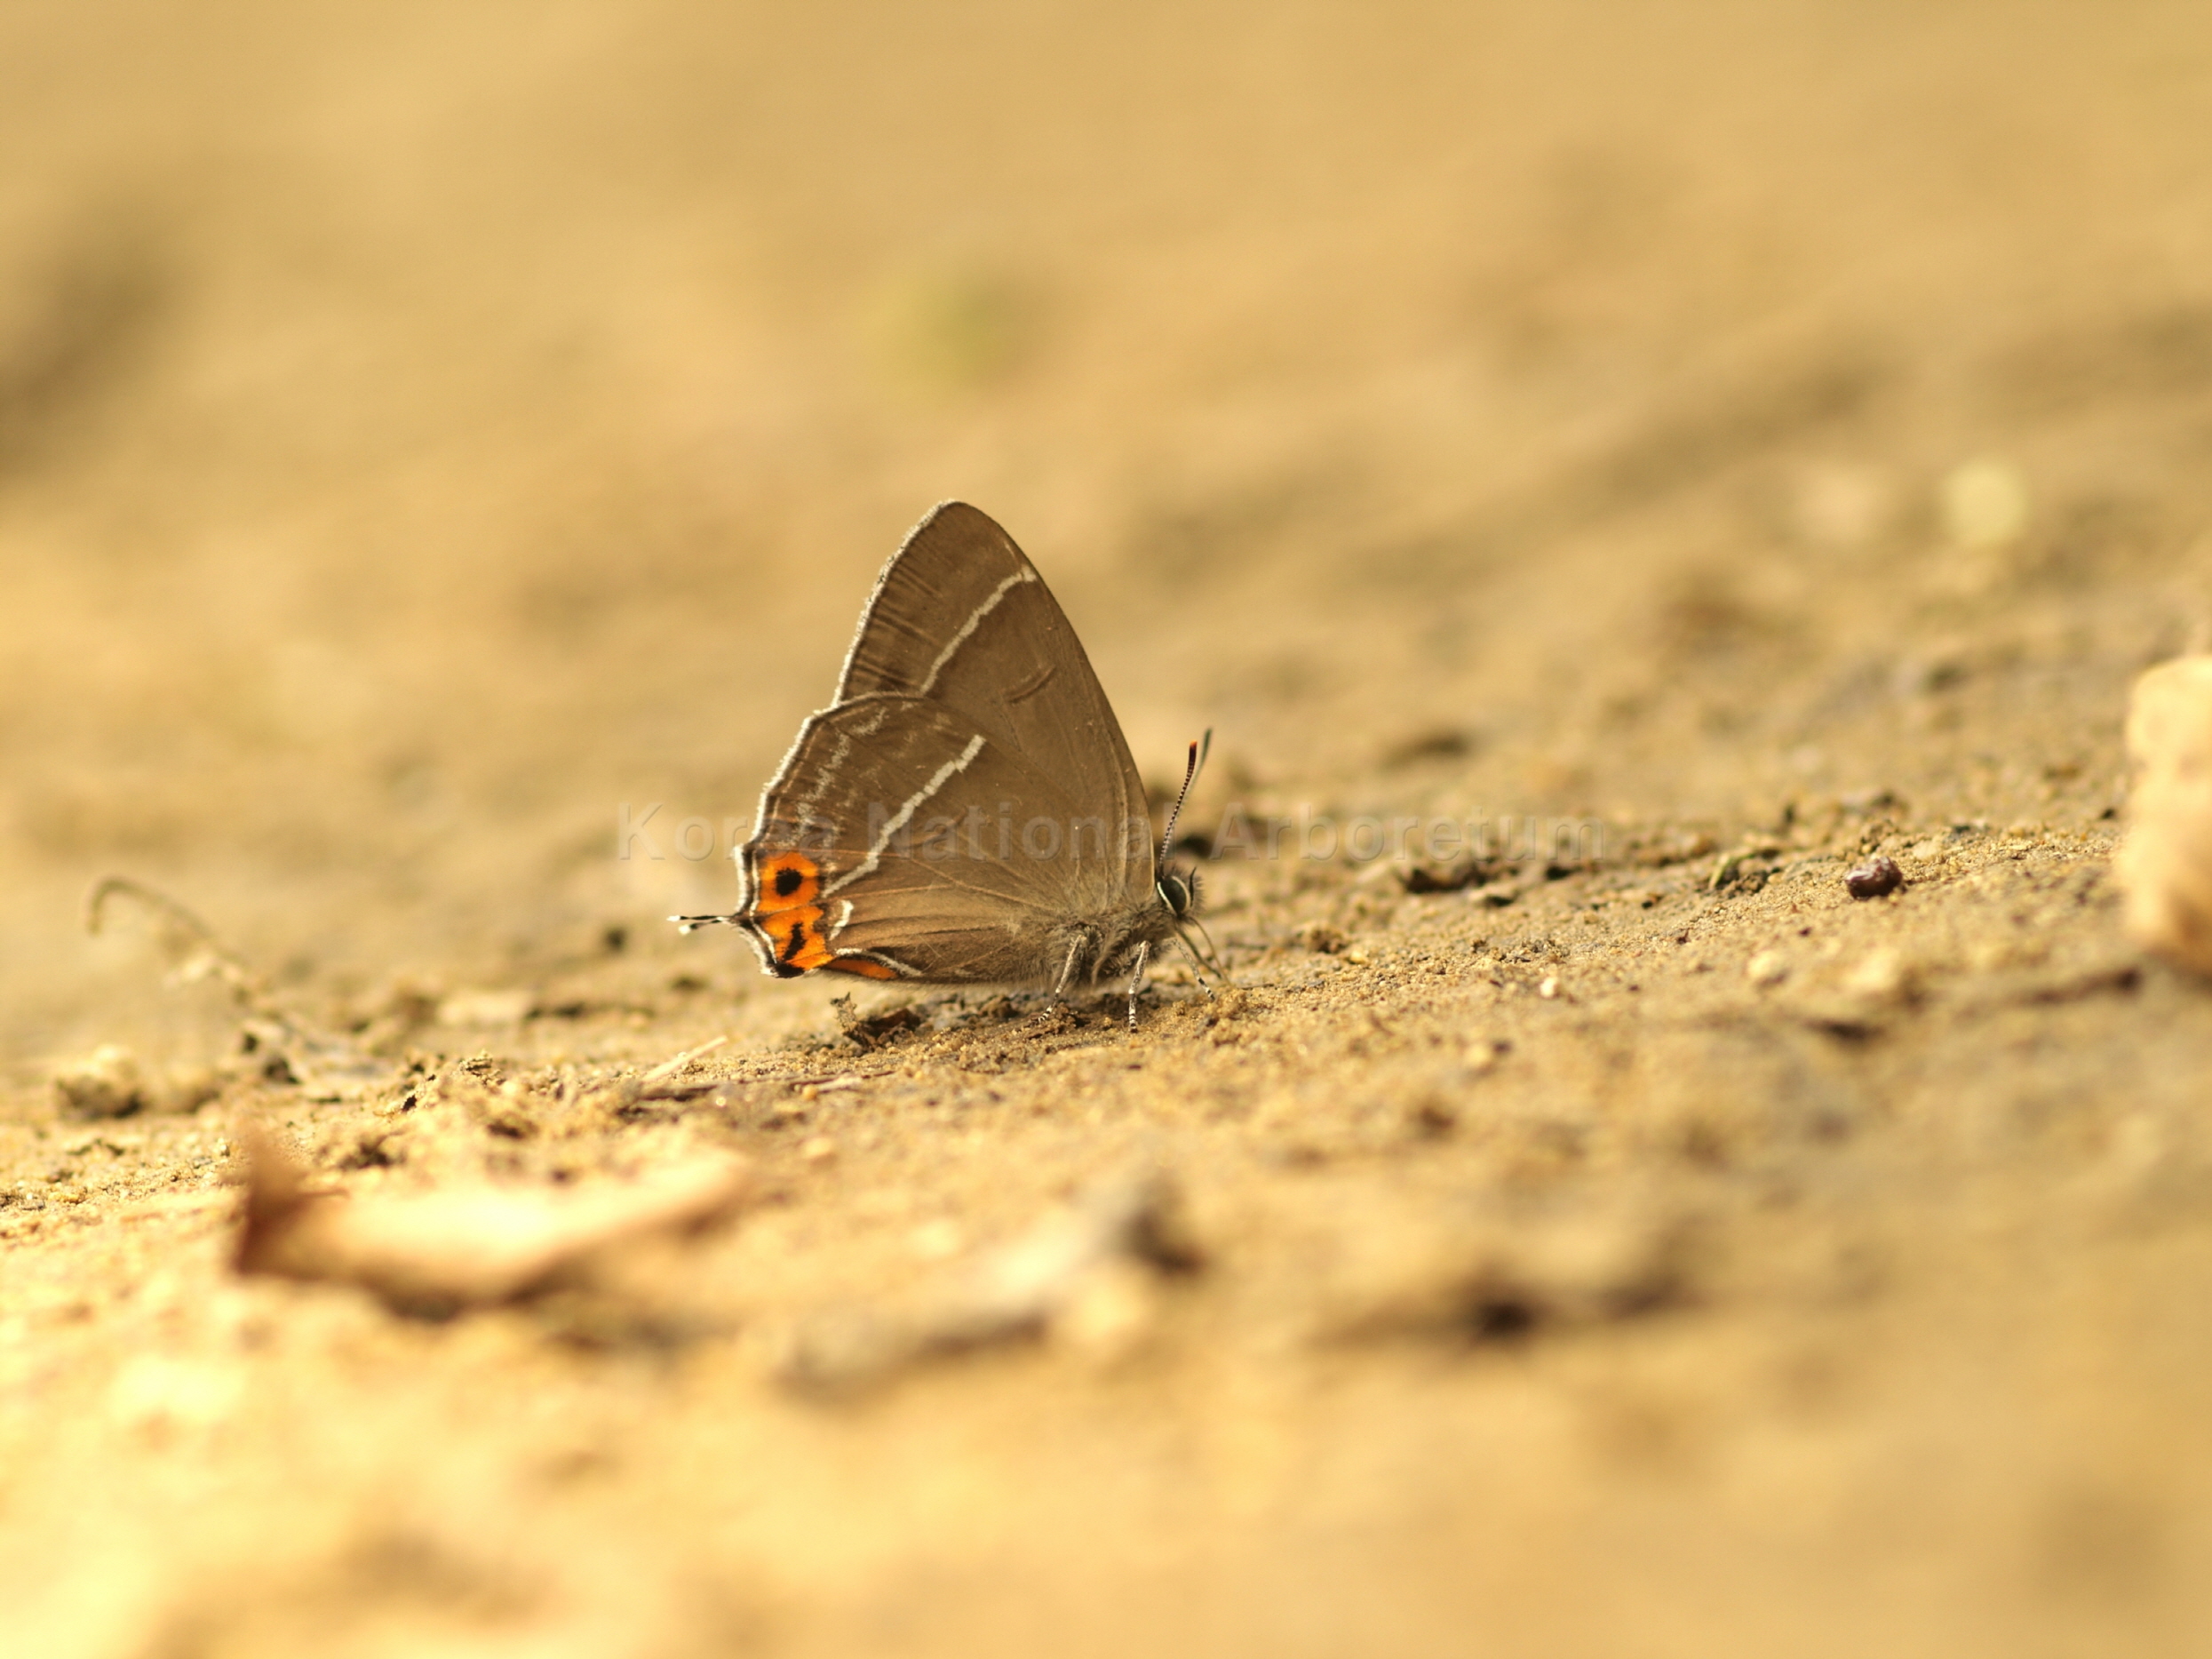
<point x="1777" y="435"/>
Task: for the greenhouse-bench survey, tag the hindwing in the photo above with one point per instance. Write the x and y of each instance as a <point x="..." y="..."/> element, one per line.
<point x="900" y="840"/>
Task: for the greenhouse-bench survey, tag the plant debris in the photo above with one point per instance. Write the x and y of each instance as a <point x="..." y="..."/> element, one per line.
<point x="1066" y="1276"/>
<point x="436" y="1254"/>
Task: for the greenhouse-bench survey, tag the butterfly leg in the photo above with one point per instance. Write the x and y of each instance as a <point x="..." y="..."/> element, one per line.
<point x="1136" y="982"/>
<point x="1067" y="970"/>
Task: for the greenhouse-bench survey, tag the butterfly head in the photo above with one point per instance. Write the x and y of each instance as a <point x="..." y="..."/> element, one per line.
<point x="1179" y="888"/>
<point x="1179" y="892"/>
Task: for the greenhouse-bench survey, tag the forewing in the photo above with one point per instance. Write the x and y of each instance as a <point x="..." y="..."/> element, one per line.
<point x="960" y="616"/>
<point x="902" y="840"/>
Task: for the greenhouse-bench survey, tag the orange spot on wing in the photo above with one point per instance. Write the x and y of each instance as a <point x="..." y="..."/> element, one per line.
<point x="866" y="967"/>
<point x="785" y="881"/>
<point x="796" y="933"/>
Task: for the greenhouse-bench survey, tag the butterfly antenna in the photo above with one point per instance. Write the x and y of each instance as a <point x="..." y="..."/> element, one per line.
<point x="1198" y="751"/>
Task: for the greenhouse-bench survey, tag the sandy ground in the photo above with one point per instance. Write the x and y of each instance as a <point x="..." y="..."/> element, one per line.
<point x="1772" y="434"/>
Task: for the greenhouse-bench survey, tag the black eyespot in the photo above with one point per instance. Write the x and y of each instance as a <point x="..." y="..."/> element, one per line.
<point x="787" y="881"/>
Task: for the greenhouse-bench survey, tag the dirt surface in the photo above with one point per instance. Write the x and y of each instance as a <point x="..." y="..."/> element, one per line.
<point x="1766" y="436"/>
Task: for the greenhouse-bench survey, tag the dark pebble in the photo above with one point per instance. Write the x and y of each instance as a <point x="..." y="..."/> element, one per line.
<point x="1878" y="875"/>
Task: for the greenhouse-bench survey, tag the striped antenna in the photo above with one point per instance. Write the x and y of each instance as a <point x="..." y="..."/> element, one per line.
<point x="1198" y="751"/>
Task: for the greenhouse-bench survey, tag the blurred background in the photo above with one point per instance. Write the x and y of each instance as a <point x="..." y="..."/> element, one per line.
<point x="425" y="428"/>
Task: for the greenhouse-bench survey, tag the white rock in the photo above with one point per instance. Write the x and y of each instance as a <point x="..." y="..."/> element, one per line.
<point x="2165" y="866"/>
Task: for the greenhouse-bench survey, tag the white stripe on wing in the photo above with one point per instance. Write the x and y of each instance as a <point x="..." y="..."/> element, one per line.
<point x="938" y="779"/>
<point x="967" y="629"/>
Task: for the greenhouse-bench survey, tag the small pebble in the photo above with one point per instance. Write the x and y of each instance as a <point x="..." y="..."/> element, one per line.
<point x="1883" y="976"/>
<point x="2165" y="866"/>
<point x="1432" y="1117"/>
<point x="1768" y="967"/>
<point x="106" y="1084"/>
<point x="1879" y="875"/>
<point x="1985" y="503"/>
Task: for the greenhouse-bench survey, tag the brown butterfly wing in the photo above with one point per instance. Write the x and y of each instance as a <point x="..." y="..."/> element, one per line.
<point x="901" y="840"/>
<point x="960" y="616"/>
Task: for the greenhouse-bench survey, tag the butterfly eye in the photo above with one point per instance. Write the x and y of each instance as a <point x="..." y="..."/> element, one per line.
<point x="1174" y="893"/>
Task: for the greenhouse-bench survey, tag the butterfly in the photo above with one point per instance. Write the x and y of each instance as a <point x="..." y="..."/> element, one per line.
<point x="965" y="811"/>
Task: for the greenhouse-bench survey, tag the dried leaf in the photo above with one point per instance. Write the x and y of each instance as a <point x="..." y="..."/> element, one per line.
<point x="438" y="1253"/>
